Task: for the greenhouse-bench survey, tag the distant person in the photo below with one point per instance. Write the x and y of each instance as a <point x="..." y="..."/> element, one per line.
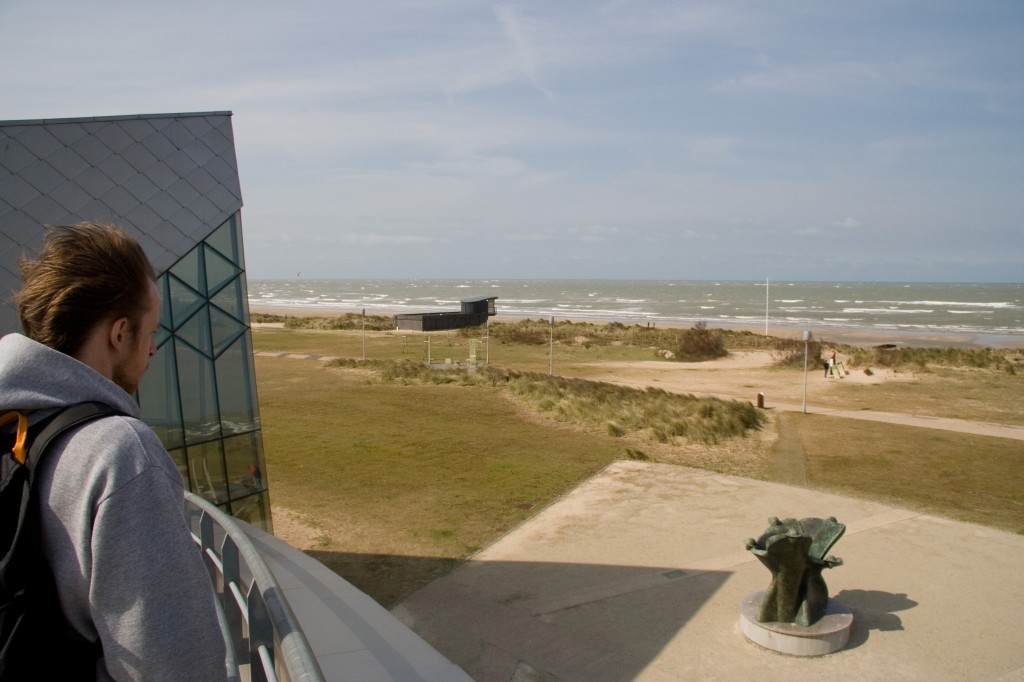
<point x="257" y="477"/>
<point x="831" y="364"/>
<point x="130" y="582"/>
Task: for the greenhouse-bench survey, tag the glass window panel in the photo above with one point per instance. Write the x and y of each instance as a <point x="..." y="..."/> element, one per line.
<point x="196" y="332"/>
<point x="159" y="398"/>
<point x="236" y="229"/>
<point x="165" y="300"/>
<point x="161" y="336"/>
<point x="184" y="301"/>
<point x="200" y="416"/>
<point x="230" y="299"/>
<point x="219" y="271"/>
<point x="254" y="509"/>
<point x="224" y="239"/>
<point x="180" y="461"/>
<point x="206" y="468"/>
<point x="224" y="330"/>
<point x="243" y="456"/>
<point x="243" y="294"/>
<point x="189" y="270"/>
<point x="236" y="388"/>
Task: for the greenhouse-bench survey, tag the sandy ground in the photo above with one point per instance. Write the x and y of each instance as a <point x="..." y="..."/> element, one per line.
<point x="742" y="375"/>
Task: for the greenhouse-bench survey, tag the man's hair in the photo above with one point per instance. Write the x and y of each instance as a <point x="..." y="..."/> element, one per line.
<point x="87" y="273"/>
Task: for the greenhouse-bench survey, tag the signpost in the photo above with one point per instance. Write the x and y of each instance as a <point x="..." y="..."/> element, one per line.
<point x="807" y="338"/>
<point x="551" y="353"/>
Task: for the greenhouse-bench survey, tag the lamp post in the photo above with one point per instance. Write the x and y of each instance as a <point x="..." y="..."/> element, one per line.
<point x="807" y="338"/>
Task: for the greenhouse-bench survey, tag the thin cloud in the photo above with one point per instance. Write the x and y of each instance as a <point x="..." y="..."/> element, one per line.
<point x="517" y="28"/>
<point x="387" y="239"/>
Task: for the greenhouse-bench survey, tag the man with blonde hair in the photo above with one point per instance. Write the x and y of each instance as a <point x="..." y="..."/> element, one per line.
<point x="129" y="581"/>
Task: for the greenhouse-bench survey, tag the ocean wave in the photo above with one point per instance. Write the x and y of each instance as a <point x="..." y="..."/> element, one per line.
<point x="888" y="311"/>
<point x="963" y="304"/>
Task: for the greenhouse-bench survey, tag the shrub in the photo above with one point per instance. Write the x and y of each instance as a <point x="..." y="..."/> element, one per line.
<point x="699" y="343"/>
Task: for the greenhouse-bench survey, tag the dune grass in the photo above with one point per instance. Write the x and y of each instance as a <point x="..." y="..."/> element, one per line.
<point x="656" y="414"/>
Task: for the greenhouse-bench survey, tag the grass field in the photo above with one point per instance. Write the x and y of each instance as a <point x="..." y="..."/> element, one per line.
<point x="395" y="482"/>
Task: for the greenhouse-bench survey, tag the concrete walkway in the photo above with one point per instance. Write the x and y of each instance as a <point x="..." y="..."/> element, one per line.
<point x="941" y="423"/>
<point x="638" y="574"/>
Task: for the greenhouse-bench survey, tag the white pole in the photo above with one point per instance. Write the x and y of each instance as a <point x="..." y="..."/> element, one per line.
<point x="766" y="287"/>
<point x="807" y="337"/>
<point x="364" y="333"/>
<point x="551" y="353"/>
<point x="487" y="338"/>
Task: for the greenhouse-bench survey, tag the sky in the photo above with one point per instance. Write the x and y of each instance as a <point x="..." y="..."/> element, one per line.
<point x="577" y="139"/>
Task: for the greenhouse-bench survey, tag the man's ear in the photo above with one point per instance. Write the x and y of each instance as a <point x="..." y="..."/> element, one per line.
<point x="118" y="334"/>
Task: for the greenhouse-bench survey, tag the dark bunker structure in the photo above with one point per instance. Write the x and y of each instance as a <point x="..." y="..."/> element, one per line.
<point x="474" y="313"/>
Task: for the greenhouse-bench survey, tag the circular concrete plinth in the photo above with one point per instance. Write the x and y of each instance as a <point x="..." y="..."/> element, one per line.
<point x="828" y="635"/>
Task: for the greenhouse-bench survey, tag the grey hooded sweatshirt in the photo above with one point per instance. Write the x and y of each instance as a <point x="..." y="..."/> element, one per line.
<point x="127" y="571"/>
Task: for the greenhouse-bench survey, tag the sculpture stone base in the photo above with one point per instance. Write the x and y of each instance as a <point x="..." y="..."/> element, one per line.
<point x="828" y="635"/>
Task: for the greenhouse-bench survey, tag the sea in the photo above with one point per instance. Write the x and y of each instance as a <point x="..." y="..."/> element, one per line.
<point x="977" y="314"/>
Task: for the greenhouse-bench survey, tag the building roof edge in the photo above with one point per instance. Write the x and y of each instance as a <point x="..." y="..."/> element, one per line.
<point x="129" y="117"/>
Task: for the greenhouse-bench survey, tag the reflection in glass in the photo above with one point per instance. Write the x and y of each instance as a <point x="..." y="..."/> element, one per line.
<point x="254" y="509"/>
<point x="158" y="397"/>
<point x="206" y="471"/>
<point x="188" y="270"/>
<point x="196" y="332"/>
<point x="224" y="330"/>
<point x="244" y="459"/>
<point x="184" y="301"/>
<point x="237" y="388"/>
<point x="219" y="271"/>
<point x="181" y="461"/>
<point x="225" y="241"/>
<point x="230" y="299"/>
<point x="199" y="404"/>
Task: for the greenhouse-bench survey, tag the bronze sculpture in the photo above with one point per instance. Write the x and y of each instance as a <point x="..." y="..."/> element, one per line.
<point x="795" y="552"/>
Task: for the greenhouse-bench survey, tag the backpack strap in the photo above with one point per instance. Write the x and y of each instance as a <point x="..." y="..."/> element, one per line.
<point x="21" y="434"/>
<point x="68" y="418"/>
<point x="30" y="611"/>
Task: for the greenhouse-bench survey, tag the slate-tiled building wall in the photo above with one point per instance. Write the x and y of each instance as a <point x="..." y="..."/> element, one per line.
<point x="172" y="181"/>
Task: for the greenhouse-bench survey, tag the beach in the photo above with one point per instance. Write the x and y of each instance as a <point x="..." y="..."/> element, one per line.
<point x="853" y="336"/>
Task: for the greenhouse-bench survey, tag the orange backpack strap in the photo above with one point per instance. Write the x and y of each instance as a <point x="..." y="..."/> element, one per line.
<point x="19" y="440"/>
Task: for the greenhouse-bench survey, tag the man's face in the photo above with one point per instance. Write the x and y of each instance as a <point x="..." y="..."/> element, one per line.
<point x="128" y="370"/>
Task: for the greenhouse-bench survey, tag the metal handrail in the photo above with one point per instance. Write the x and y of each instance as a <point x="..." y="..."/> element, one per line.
<point x="260" y="629"/>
